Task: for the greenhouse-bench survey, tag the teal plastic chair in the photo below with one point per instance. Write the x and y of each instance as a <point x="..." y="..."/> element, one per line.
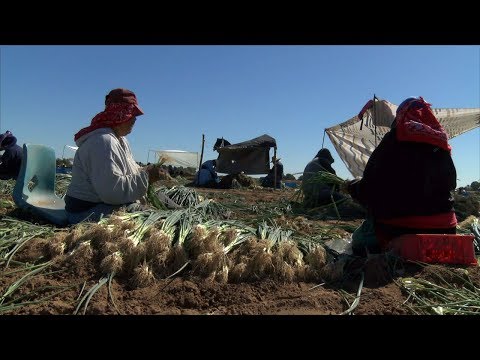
<point x="35" y="186"/>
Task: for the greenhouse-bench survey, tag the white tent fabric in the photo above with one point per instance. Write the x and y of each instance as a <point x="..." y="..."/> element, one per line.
<point x="355" y="145"/>
<point x="179" y="158"/>
<point x="73" y="148"/>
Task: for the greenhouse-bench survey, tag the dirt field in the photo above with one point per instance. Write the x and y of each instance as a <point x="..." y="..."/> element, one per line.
<point x="66" y="281"/>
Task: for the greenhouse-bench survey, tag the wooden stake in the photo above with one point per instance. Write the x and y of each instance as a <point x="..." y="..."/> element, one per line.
<point x="201" y="154"/>
<point x="275" y="168"/>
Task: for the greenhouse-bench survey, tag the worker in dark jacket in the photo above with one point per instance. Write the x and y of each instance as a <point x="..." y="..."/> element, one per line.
<point x="318" y="194"/>
<point x="11" y="160"/>
<point x="276" y="170"/>
<point x="407" y="182"/>
<point x="207" y="176"/>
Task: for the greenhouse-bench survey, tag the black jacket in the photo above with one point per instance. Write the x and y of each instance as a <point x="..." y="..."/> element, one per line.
<point x="11" y="159"/>
<point x="279" y="167"/>
<point x="404" y="178"/>
<point x="322" y="162"/>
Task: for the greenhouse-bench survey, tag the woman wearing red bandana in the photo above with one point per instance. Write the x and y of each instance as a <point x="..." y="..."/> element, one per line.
<point x="105" y="175"/>
<point x="408" y="181"/>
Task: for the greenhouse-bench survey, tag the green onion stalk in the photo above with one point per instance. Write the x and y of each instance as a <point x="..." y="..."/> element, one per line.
<point x="151" y="195"/>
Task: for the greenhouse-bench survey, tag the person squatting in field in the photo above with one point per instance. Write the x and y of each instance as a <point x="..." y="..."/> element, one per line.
<point x="105" y="175"/>
<point x="408" y="181"/>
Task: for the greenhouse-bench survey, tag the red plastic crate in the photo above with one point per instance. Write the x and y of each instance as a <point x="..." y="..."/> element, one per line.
<point x="436" y="248"/>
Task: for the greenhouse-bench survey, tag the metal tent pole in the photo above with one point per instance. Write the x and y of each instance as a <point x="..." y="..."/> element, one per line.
<point x="201" y="154"/>
<point x="201" y="159"/>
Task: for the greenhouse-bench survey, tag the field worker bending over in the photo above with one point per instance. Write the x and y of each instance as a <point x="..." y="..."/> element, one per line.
<point x="207" y="176"/>
<point x="318" y="194"/>
<point x="11" y="159"/>
<point x="268" y="181"/>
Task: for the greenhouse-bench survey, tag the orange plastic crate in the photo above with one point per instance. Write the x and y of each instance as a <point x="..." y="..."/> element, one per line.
<point x="436" y="248"/>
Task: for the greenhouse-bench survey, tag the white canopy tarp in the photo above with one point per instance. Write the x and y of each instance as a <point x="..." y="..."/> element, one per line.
<point x="179" y="158"/>
<point x="73" y="148"/>
<point x="355" y="145"/>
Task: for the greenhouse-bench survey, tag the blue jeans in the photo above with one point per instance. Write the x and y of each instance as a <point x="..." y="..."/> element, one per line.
<point x="92" y="215"/>
<point x="101" y="210"/>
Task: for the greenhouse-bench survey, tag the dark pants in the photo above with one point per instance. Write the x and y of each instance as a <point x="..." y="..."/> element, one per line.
<point x="100" y="211"/>
<point x="268" y="182"/>
<point x="315" y="197"/>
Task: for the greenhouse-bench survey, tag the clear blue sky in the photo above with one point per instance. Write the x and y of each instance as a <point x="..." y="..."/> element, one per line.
<point x="237" y="92"/>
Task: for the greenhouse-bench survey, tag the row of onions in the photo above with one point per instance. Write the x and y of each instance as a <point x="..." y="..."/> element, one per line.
<point x="140" y="248"/>
<point x="150" y="245"/>
<point x="147" y="246"/>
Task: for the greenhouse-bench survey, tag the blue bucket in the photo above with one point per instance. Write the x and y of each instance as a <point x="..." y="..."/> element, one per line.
<point x="290" y="184"/>
<point x="63" y="170"/>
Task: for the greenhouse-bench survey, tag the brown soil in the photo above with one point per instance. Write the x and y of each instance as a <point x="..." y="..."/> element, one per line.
<point x="68" y="279"/>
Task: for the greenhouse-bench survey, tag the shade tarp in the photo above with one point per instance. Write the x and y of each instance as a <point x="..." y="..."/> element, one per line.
<point x="69" y="147"/>
<point x="355" y="145"/>
<point x="178" y="158"/>
<point x="250" y="157"/>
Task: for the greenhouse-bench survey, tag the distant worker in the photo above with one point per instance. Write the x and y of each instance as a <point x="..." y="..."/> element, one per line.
<point x="462" y="191"/>
<point x="105" y="175"/>
<point x="276" y="170"/>
<point x="319" y="194"/>
<point x="207" y="176"/>
<point x="11" y="160"/>
<point x="408" y="181"/>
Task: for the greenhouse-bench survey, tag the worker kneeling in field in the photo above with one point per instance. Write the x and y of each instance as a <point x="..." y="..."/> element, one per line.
<point x="276" y="170"/>
<point x="316" y="193"/>
<point x="207" y="176"/>
<point x="11" y="159"/>
<point x="105" y="175"/>
<point x="407" y="182"/>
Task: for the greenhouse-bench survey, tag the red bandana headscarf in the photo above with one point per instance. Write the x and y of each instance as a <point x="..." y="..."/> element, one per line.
<point x="120" y="106"/>
<point x="416" y="122"/>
